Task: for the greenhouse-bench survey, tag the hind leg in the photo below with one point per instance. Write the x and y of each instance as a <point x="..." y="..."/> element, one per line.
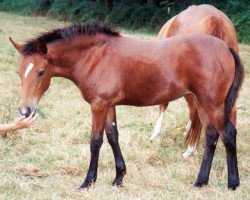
<point x="229" y="140"/>
<point x="157" y="128"/>
<point x="192" y="110"/>
<point x="228" y="133"/>
<point x="211" y="136"/>
<point x="211" y="142"/>
<point x="220" y="125"/>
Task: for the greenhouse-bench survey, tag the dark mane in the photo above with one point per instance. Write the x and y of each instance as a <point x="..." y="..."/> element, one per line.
<point x="68" y="33"/>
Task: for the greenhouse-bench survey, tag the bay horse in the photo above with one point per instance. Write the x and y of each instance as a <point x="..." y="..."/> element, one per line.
<point x="204" y="19"/>
<point x="110" y="70"/>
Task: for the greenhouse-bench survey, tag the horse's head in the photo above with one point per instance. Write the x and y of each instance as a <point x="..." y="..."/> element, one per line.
<point x="35" y="74"/>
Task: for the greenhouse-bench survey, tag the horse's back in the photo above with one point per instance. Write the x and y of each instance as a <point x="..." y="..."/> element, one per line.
<point x="157" y="52"/>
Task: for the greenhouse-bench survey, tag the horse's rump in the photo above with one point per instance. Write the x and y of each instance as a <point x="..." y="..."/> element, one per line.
<point x="215" y="27"/>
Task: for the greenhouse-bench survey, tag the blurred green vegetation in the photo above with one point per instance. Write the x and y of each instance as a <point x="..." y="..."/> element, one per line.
<point x="142" y="15"/>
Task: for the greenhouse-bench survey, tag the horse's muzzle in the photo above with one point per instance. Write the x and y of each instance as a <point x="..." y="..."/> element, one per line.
<point x="25" y="111"/>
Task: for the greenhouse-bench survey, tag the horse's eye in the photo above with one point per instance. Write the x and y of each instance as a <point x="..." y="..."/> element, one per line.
<point x="41" y="73"/>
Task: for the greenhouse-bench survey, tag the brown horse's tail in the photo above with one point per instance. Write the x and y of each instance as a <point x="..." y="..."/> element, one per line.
<point x="215" y="27"/>
<point x="193" y="134"/>
<point x="236" y="85"/>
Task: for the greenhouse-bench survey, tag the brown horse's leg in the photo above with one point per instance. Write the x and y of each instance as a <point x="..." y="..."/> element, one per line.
<point x="228" y="133"/>
<point x="211" y="141"/>
<point x="99" y="116"/>
<point x="193" y="128"/>
<point x="229" y="140"/>
<point x="112" y="135"/>
<point x="157" y="128"/>
<point x="192" y="109"/>
<point x="222" y="126"/>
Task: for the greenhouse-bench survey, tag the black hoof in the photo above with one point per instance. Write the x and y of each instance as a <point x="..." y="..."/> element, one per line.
<point x="82" y="189"/>
<point x="233" y="187"/>
<point x="117" y="183"/>
<point x="86" y="185"/>
<point x="118" y="180"/>
<point x="199" y="184"/>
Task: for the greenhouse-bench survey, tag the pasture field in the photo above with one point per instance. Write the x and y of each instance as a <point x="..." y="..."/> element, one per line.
<point x="51" y="160"/>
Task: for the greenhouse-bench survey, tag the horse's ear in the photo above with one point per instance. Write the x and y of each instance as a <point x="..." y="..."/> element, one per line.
<point x="41" y="47"/>
<point x="17" y="46"/>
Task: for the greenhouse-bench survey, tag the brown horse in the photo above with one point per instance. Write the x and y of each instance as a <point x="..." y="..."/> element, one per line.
<point x="112" y="70"/>
<point x="205" y="19"/>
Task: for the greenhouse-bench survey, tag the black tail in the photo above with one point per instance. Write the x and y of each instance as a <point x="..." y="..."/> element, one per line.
<point x="236" y="85"/>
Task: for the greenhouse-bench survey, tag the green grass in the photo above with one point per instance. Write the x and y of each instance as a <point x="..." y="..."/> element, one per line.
<point x="51" y="160"/>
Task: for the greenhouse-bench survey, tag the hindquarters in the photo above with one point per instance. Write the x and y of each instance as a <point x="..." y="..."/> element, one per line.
<point x="214" y="26"/>
<point x="217" y="120"/>
<point x="222" y="28"/>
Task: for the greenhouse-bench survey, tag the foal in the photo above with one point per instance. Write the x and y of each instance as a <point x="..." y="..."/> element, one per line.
<point x="112" y="70"/>
<point x="205" y="19"/>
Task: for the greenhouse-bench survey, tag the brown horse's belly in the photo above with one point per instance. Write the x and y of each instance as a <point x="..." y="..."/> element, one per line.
<point x="153" y="96"/>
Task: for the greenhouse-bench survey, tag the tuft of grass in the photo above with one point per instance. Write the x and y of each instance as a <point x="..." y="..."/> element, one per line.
<point x="51" y="160"/>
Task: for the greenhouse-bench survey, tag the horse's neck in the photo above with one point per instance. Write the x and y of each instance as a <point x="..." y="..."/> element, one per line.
<point x="69" y="58"/>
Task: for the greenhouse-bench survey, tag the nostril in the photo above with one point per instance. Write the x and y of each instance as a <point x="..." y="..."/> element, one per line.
<point x="25" y="111"/>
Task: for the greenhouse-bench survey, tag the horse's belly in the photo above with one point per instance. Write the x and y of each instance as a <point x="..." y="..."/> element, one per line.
<point x="153" y="97"/>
